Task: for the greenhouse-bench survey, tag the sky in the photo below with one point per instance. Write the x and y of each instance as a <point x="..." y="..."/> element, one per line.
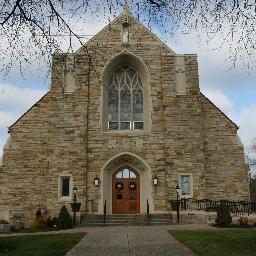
<point x="232" y="90"/>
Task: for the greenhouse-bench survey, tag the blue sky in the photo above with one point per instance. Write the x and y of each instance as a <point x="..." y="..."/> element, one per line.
<point x="233" y="91"/>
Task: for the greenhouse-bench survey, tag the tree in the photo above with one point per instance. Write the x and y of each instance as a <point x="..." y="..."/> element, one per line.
<point x="251" y="156"/>
<point x="41" y="24"/>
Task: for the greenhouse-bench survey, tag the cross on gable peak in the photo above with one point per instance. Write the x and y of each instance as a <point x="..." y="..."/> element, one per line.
<point x="126" y="7"/>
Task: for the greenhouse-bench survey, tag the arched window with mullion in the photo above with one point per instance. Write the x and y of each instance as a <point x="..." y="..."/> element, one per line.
<point x="125" y="100"/>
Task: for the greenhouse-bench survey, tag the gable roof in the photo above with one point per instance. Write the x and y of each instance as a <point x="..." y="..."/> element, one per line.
<point x="116" y="19"/>
<point x="28" y="111"/>
<point x="237" y="127"/>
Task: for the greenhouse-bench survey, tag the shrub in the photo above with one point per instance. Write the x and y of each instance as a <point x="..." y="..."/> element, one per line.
<point x="38" y="223"/>
<point x="55" y="221"/>
<point x="64" y="219"/>
<point x="4" y="222"/>
<point x="243" y="221"/>
<point x="38" y="213"/>
<point x="50" y="223"/>
<point x="223" y="216"/>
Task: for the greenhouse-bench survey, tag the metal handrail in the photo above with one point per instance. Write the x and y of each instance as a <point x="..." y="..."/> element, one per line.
<point x="105" y="211"/>
<point x="147" y="208"/>
<point x="208" y="205"/>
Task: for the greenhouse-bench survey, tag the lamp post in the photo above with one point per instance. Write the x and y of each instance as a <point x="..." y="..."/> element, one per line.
<point x="74" y="192"/>
<point x="177" y="188"/>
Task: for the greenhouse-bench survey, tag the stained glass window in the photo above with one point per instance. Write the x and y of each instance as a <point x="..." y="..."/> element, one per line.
<point x="125" y="100"/>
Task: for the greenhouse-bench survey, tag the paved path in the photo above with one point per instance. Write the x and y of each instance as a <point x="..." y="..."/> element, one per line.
<point x="131" y="240"/>
<point x="85" y="229"/>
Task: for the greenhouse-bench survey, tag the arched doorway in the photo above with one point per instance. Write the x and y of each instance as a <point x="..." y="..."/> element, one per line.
<point x="125" y="191"/>
<point x="138" y="166"/>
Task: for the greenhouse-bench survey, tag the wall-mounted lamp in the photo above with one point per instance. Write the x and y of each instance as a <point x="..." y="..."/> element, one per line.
<point x="96" y="181"/>
<point x="155" y="180"/>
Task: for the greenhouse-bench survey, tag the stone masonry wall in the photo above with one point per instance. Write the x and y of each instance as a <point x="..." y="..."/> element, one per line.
<point x="62" y="134"/>
<point x="225" y="169"/>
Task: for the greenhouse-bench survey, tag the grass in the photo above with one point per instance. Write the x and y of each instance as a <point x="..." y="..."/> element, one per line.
<point x="219" y="242"/>
<point x="39" y="245"/>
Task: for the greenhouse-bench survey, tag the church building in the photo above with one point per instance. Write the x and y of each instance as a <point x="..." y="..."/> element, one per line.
<point x="124" y="122"/>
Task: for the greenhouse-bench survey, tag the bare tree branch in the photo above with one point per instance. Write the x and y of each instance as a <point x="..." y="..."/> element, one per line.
<point x="230" y="22"/>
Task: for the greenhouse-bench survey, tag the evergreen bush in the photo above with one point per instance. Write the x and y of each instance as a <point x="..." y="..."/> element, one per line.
<point x="64" y="219"/>
<point x="223" y="216"/>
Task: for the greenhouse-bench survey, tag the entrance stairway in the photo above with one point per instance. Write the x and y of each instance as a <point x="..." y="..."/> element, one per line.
<point x="94" y="220"/>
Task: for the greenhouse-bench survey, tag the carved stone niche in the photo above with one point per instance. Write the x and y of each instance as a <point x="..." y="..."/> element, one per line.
<point x="181" y="85"/>
<point x="69" y="75"/>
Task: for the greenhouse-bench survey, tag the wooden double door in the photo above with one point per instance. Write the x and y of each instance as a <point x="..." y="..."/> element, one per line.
<point x="125" y="191"/>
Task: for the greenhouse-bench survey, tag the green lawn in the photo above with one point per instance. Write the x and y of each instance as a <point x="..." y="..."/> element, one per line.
<point x="39" y="245"/>
<point x="219" y="242"/>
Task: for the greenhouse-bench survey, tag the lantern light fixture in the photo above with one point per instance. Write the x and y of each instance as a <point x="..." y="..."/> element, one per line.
<point x="155" y="180"/>
<point x="74" y="190"/>
<point x="177" y="188"/>
<point x="96" y="181"/>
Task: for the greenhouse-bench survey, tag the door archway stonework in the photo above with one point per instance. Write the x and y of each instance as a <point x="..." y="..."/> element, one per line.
<point x="112" y="166"/>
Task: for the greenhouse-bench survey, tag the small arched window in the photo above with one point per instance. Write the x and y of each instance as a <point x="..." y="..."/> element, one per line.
<point x="125" y="174"/>
<point x="125" y="100"/>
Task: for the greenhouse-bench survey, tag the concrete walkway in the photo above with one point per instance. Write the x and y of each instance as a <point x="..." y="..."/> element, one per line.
<point x="131" y="240"/>
<point x="86" y="229"/>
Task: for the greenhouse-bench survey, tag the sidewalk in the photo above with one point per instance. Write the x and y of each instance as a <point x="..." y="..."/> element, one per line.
<point x="131" y="240"/>
<point x="86" y="229"/>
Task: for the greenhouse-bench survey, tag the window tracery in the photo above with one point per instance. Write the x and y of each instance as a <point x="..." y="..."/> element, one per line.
<point x="125" y="174"/>
<point x="125" y="100"/>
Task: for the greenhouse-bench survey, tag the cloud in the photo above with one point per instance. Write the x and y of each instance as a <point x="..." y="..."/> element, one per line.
<point x="219" y="99"/>
<point x="245" y="118"/>
<point x="14" y="101"/>
<point x="6" y="119"/>
<point x="18" y="97"/>
<point x="215" y="67"/>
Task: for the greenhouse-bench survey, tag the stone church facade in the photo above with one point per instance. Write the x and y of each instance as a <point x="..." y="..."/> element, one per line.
<point x="122" y="111"/>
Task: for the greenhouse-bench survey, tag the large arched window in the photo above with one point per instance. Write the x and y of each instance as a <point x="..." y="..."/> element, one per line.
<point x="125" y="100"/>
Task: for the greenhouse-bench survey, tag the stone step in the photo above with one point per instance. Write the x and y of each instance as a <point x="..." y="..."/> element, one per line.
<point x="126" y="219"/>
<point x="151" y="216"/>
<point x="124" y="224"/>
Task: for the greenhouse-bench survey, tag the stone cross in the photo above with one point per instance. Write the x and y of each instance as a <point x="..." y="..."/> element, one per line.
<point x="126" y="6"/>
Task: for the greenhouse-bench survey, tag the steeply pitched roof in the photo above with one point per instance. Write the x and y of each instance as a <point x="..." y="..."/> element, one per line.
<point x="237" y="127"/>
<point x="28" y="110"/>
<point x="115" y="20"/>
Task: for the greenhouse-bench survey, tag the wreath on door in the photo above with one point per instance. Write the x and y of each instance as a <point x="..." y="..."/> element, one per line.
<point x="119" y="186"/>
<point x="132" y="186"/>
